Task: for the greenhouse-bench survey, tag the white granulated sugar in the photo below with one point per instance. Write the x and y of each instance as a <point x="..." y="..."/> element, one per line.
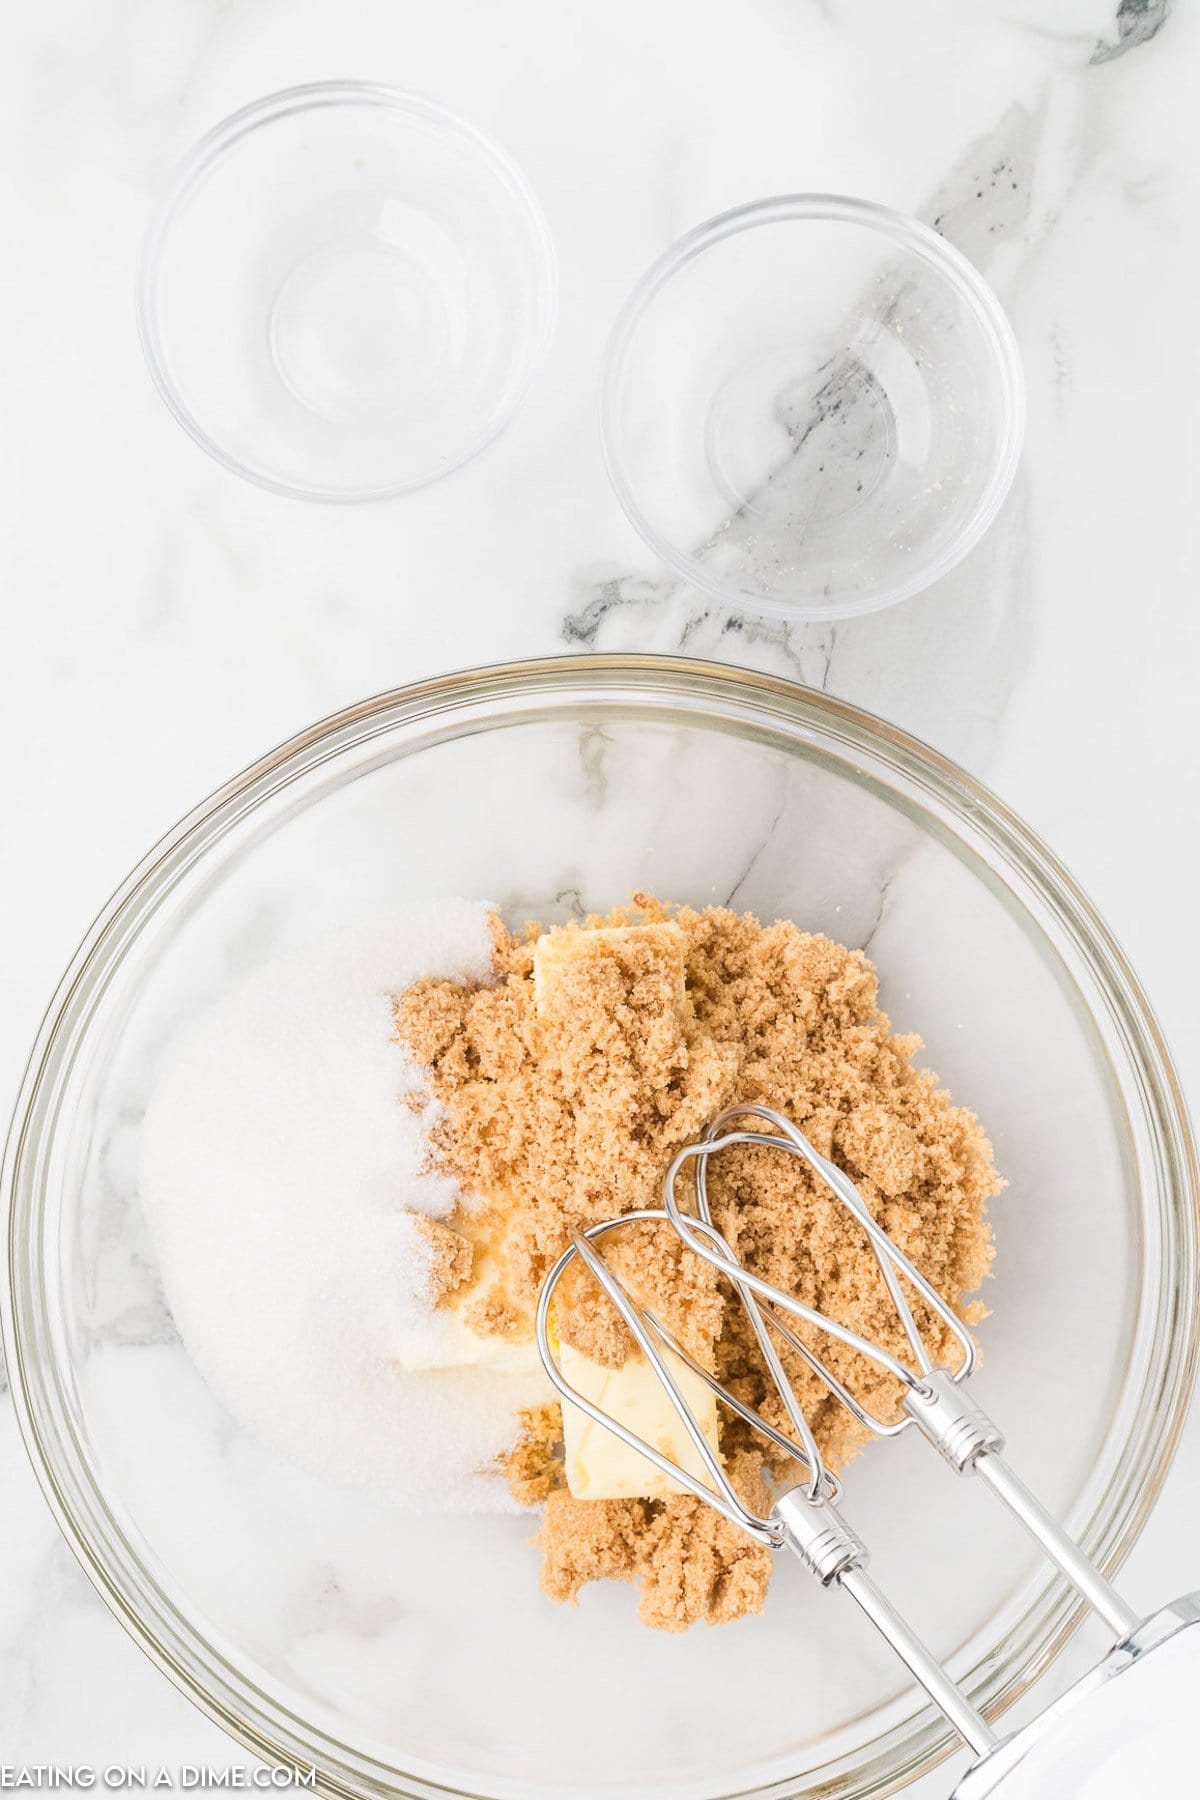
<point x="278" y="1162"/>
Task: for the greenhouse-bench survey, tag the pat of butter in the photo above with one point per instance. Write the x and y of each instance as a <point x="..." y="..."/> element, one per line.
<point x="568" y="943"/>
<point x="456" y="1346"/>
<point x="599" y="1466"/>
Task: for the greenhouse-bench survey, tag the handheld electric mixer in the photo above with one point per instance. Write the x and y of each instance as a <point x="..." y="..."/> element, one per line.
<point x="935" y="1400"/>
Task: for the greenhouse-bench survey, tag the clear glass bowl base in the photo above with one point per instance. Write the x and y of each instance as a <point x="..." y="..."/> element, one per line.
<point x="345" y="292"/>
<point x="812" y="407"/>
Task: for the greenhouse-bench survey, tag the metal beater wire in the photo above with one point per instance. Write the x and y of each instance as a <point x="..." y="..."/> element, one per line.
<point x="804" y="1519"/>
<point x="936" y="1399"/>
<point x="645" y="1330"/>
<point x="893" y="1265"/>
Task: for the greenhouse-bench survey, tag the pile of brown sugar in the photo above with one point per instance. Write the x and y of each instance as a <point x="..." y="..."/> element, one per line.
<point x="567" y="1112"/>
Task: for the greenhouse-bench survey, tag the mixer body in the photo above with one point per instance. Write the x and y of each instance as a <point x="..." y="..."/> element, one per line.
<point x="1137" y="1740"/>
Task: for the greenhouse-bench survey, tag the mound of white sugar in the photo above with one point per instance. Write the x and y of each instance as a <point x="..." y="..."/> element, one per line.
<point x="278" y="1162"/>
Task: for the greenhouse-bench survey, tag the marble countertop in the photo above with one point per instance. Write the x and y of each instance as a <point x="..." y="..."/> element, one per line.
<point x="165" y="623"/>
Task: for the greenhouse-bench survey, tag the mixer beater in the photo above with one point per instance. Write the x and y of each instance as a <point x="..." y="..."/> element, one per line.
<point x="934" y="1399"/>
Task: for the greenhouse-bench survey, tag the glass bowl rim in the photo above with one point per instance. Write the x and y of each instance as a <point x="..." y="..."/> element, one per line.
<point x="191" y="168"/>
<point x="917" y="238"/>
<point x="128" y="1584"/>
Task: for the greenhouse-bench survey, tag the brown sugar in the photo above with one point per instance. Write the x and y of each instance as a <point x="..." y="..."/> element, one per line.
<point x="568" y="1111"/>
<point x="688" y="1562"/>
<point x="452" y="1256"/>
<point x="533" y="1467"/>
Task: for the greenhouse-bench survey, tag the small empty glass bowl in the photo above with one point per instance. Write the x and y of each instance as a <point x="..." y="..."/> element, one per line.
<point x="812" y="407"/>
<point x="345" y="291"/>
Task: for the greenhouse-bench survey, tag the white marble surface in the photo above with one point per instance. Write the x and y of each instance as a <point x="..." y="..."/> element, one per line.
<point x="165" y="623"/>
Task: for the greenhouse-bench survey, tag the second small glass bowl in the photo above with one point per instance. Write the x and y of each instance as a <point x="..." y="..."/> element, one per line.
<point x="345" y="292"/>
<point x="812" y="407"/>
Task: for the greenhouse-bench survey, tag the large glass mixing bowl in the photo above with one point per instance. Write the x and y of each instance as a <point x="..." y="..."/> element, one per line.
<point x="415" y="1656"/>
